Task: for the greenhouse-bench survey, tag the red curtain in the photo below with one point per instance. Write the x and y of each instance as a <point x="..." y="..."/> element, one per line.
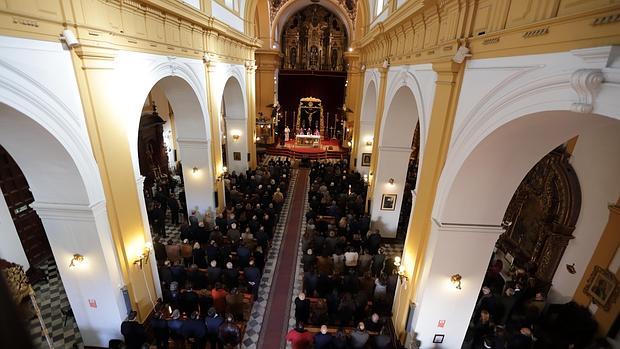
<point x="326" y="86"/>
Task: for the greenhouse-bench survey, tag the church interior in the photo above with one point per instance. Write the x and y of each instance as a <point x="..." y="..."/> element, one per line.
<point x="310" y="174"/>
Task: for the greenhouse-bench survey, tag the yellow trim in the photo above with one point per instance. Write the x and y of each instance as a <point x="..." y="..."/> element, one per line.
<point x="447" y="91"/>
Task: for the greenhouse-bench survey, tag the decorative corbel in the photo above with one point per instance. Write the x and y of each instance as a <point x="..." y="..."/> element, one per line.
<point x="586" y="83"/>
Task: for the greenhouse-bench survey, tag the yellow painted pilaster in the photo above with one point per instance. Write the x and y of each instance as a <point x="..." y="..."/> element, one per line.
<point x="355" y="80"/>
<point x="375" y="143"/>
<point x="447" y="90"/>
<point x="268" y="62"/>
<point x="250" y="69"/>
<point x="106" y="128"/>
<point x="216" y="147"/>
<point x="603" y="256"/>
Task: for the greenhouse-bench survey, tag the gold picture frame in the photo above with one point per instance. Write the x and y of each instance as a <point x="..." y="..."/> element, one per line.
<point x="602" y="287"/>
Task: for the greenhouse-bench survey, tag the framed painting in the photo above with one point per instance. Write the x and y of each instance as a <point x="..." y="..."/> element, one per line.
<point x="366" y="159"/>
<point x="602" y="287"/>
<point x="388" y="202"/>
<point x="237" y="156"/>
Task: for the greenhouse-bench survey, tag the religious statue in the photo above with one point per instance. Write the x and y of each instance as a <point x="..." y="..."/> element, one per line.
<point x="316" y="132"/>
<point x="314" y="57"/>
<point x="287" y="132"/>
<point x="293" y="57"/>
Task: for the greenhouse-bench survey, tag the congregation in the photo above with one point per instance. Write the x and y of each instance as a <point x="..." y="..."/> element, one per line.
<point x="348" y="281"/>
<point x="210" y="278"/>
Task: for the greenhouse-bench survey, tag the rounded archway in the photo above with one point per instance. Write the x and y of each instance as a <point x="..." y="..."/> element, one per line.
<point x="394" y="152"/>
<point x="366" y="127"/>
<point x="64" y="180"/>
<point x="233" y="113"/>
<point x="472" y="201"/>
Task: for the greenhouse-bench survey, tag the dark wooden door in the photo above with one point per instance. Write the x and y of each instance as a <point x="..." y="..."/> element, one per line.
<point x="18" y="197"/>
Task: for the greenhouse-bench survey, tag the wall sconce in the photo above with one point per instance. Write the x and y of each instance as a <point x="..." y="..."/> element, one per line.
<point x="391" y="181"/>
<point x="401" y="269"/>
<point x="143" y="257"/>
<point x="365" y="178"/>
<point x="221" y="175"/>
<point x="369" y="142"/>
<point x="349" y="143"/>
<point x="77" y="261"/>
<point x="236" y="137"/>
<point x="456" y="280"/>
<point x="194" y="170"/>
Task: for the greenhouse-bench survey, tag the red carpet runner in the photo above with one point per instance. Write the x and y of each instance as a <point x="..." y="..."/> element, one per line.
<point x="275" y="322"/>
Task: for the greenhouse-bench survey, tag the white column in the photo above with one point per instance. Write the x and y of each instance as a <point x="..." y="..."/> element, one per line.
<point x="199" y="190"/>
<point x="148" y="233"/>
<point x="237" y="126"/>
<point x="392" y="163"/>
<point x="94" y="290"/>
<point x="463" y="249"/>
<point x="367" y="131"/>
<point x="11" y="248"/>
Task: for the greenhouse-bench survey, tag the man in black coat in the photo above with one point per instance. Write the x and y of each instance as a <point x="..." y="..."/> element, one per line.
<point x="134" y="332"/>
<point x="252" y="276"/>
<point x="160" y="330"/>
<point x="302" y="308"/>
<point x="174" y="209"/>
<point x="230" y="334"/>
<point x="195" y="331"/>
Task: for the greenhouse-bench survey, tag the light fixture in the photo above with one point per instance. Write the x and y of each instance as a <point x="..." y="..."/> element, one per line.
<point x="391" y="181"/>
<point x="461" y="54"/>
<point x="236" y="137"/>
<point x="400" y="269"/>
<point x="194" y="170"/>
<point x="350" y="49"/>
<point x="69" y="38"/>
<point x="456" y="280"/>
<point x="369" y="141"/>
<point x="77" y="261"/>
<point x="224" y="169"/>
<point x="143" y="256"/>
<point x="349" y="143"/>
<point x="257" y="138"/>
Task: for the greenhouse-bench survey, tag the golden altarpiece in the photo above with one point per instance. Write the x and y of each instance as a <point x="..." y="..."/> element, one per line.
<point x="314" y="39"/>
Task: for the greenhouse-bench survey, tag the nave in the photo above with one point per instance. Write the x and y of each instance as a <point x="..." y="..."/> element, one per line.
<point x="285" y="275"/>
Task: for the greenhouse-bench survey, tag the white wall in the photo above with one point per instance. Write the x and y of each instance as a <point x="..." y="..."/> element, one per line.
<point x="456" y="250"/>
<point x="239" y="127"/>
<point x="11" y="248"/>
<point x="596" y="160"/>
<point x="193" y="3"/>
<point x="227" y="16"/>
<point x="42" y="126"/>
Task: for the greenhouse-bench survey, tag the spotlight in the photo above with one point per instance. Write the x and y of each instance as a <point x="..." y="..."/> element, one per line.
<point x="70" y="38"/>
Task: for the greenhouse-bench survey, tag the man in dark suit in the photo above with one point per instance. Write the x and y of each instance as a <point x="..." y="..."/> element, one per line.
<point x="195" y="331"/>
<point x="134" y="332"/>
<point x="252" y="276"/>
<point x="160" y="329"/>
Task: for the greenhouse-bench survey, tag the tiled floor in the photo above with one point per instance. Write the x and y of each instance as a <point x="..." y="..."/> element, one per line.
<point x="51" y="298"/>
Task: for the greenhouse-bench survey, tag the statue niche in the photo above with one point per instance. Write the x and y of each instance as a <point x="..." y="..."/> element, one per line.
<point x="543" y="212"/>
<point x="314" y="39"/>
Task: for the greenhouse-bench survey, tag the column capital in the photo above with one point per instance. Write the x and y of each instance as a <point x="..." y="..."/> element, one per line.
<point x="210" y="60"/>
<point x="447" y="71"/>
<point x="250" y="66"/>
<point x="96" y="57"/>
<point x="72" y="212"/>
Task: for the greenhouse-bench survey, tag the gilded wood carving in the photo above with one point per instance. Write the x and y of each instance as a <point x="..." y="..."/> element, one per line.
<point x="543" y="212"/>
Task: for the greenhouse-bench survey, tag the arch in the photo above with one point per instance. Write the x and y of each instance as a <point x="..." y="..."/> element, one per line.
<point x="46" y="136"/>
<point x="396" y="134"/>
<point x="235" y="118"/>
<point x="527" y="98"/>
<point x="491" y="173"/>
<point x="292" y="7"/>
<point x="369" y="108"/>
<point x="404" y="80"/>
<point x="367" y="124"/>
<point x="183" y="82"/>
<point x="233" y="96"/>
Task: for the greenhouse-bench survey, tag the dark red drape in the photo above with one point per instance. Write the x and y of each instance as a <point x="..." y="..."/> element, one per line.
<point x="326" y="86"/>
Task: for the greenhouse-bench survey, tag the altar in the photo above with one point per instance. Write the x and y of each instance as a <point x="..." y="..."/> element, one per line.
<point x="308" y="140"/>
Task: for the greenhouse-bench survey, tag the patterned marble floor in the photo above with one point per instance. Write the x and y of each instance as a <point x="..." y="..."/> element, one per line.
<point x="51" y="298"/>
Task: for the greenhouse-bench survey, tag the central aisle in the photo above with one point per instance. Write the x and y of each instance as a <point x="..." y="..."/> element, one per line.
<point x="275" y="323"/>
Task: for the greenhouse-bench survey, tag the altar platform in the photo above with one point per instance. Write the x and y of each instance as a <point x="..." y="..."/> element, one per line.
<point x="328" y="149"/>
